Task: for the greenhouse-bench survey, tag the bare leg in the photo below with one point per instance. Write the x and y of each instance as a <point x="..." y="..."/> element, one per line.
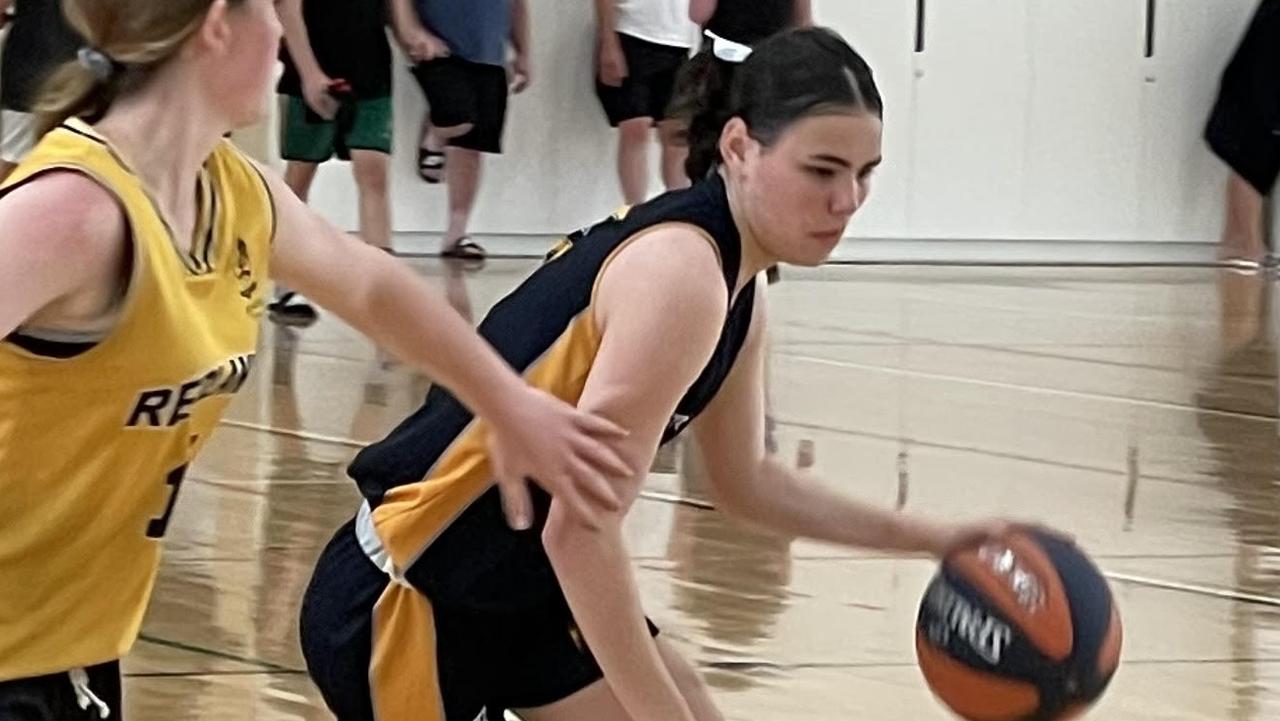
<point x="435" y="139"/>
<point x="633" y="159"/>
<point x="371" y="169"/>
<point x="1243" y="235"/>
<point x="299" y="177"/>
<point x="463" y="170"/>
<point x="455" y="290"/>
<point x="673" y="155"/>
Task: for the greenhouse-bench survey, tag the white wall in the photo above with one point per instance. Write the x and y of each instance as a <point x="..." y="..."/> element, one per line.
<point x="1022" y="119"/>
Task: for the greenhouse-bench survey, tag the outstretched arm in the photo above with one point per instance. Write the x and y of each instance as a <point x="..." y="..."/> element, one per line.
<point x="748" y="483"/>
<point x="532" y="435"/>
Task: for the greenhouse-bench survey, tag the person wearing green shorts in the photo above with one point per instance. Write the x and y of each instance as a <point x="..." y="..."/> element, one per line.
<point x="336" y="103"/>
<point x="357" y="125"/>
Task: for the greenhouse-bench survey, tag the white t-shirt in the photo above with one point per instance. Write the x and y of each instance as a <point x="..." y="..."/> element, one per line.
<point x="665" y="22"/>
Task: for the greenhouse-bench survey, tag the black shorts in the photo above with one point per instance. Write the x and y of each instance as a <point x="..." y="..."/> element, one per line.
<point x="651" y="80"/>
<point x="1244" y="128"/>
<point x="460" y="92"/>
<point x="371" y="643"/>
<point x="53" y="697"/>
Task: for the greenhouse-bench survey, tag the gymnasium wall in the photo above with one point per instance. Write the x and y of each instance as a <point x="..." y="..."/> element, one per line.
<point x="1007" y="119"/>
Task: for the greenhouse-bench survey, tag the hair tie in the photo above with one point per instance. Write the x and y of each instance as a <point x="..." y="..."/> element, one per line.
<point x="97" y="63"/>
<point x="728" y="50"/>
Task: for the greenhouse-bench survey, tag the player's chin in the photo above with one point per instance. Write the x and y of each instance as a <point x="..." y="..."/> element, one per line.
<point x="249" y="116"/>
<point x="813" y="249"/>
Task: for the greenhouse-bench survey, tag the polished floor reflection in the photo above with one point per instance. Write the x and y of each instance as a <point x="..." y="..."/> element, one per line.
<point x="1135" y="408"/>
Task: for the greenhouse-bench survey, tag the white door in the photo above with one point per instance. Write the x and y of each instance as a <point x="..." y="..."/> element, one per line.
<point x="970" y="119"/>
<point x="1182" y="183"/>
<point x="1084" y="107"/>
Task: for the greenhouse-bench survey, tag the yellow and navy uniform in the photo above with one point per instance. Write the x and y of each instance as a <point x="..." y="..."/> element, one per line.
<point x="95" y="436"/>
<point x="462" y="603"/>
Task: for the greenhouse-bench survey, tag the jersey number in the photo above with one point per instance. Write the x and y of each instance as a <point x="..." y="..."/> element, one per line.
<point x="159" y="524"/>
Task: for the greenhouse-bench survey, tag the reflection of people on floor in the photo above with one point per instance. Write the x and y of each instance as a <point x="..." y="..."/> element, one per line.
<point x="730" y="577"/>
<point x="455" y="289"/>
<point x="1238" y="417"/>
<point x="303" y="492"/>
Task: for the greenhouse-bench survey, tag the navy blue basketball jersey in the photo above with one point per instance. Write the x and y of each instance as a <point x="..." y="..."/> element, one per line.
<point x="435" y="509"/>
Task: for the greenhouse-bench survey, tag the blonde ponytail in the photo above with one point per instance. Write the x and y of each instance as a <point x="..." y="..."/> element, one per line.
<point x="126" y="41"/>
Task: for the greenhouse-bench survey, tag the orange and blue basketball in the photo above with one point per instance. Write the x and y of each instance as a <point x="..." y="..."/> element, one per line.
<point x="1020" y="628"/>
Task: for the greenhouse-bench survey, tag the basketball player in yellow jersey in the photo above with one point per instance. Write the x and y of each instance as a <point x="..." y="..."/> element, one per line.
<point x="136" y="249"/>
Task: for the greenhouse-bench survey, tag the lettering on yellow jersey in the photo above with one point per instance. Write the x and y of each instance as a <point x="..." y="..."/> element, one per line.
<point x="167" y="407"/>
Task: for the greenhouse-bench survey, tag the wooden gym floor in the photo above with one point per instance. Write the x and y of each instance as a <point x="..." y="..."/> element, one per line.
<point x="1135" y="408"/>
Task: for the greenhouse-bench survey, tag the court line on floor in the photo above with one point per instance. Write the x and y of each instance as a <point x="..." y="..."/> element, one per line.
<point x="1003" y="385"/>
<point x="1197" y="589"/>
<point x="301" y="435"/>
<point x="1113" y="575"/>
<point x="200" y="674"/>
<point x="756" y="664"/>
<point x="939" y="446"/>
<point x="885" y="339"/>
<point x="239" y="483"/>
<point x="782" y="422"/>
<point x="192" y="648"/>
<point x="703" y="505"/>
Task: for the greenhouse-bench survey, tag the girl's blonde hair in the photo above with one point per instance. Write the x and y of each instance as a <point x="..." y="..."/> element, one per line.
<point x="126" y="41"/>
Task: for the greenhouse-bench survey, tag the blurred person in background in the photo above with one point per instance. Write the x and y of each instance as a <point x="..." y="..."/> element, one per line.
<point x="1244" y="131"/>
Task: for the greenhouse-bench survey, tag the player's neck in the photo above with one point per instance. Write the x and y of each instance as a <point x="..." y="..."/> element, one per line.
<point x="754" y="259"/>
<point x="165" y="134"/>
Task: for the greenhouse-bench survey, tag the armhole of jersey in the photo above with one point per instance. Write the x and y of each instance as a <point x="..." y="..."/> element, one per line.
<point x="758" y="309"/>
<point x="266" y="191"/>
<point x="595" y="286"/>
<point x="57" y="352"/>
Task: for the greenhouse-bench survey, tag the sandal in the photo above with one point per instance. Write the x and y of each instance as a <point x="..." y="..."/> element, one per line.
<point x="431" y="165"/>
<point x="467" y="251"/>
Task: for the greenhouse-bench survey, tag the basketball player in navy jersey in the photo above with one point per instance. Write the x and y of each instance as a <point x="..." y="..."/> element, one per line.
<point x="427" y="607"/>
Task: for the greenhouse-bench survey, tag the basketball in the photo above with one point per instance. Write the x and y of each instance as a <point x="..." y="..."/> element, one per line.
<point x="1022" y="628"/>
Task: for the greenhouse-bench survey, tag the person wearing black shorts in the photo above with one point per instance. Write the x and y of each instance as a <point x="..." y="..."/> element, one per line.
<point x="640" y="47"/>
<point x="461" y="53"/>
<point x="1244" y="131"/>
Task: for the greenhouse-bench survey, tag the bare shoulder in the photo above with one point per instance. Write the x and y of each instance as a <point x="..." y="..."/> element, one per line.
<point x="673" y="267"/>
<point x="64" y="235"/>
<point x="64" y="216"/>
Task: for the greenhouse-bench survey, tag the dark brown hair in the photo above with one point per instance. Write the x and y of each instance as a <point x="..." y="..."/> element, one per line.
<point x="789" y="76"/>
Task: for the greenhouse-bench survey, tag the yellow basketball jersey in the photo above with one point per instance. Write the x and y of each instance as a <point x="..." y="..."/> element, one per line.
<point x="94" y="444"/>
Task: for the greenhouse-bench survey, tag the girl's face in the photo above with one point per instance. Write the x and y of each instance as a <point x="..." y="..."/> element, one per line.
<point x="239" y="47"/>
<point x="798" y="193"/>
